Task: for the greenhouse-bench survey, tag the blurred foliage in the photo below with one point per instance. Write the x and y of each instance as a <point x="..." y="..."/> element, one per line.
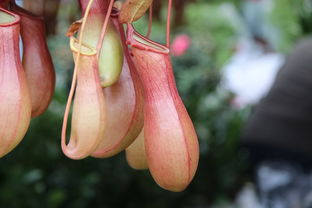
<point x="303" y="10"/>
<point x="36" y="174"/>
<point x="285" y="19"/>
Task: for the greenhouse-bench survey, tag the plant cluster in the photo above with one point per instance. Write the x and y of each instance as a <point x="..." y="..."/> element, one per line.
<point x="121" y="82"/>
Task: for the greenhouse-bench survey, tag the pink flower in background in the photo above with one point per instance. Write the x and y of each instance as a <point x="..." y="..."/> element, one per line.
<point x="180" y="45"/>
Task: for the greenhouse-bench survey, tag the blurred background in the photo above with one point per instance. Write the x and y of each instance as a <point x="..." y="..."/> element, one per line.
<point x="226" y="54"/>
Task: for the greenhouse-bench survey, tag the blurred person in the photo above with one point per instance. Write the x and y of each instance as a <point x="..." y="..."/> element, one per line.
<point x="251" y="72"/>
<point x="278" y="135"/>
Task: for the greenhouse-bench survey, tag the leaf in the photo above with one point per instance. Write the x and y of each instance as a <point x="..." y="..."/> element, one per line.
<point x="133" y="10"/>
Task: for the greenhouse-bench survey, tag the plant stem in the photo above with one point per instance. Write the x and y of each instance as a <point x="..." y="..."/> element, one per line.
<point x="150" y="21"/>
<point x="101" y="40"/>
<point x="168" y="23"/>
<point x="74" y="80"/>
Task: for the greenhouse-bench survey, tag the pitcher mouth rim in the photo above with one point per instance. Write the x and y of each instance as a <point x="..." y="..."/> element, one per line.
<point x="16" y="17"/>
<point x="133" y="40"/>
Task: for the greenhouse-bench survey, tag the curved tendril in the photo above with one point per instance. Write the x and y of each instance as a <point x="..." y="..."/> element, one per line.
<point x="150" y="21"/>
<point x="168" y="23"/>
<point x="101" y="40"/>
<point x="74" y="79"/>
